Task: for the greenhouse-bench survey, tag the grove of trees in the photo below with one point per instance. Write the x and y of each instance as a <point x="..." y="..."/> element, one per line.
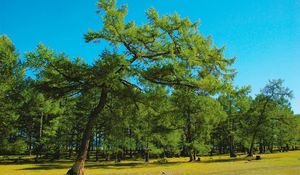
<point x="161" y="89"/>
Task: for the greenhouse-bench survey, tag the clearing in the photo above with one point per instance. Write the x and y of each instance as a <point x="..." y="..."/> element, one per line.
<point x="271" y="164"/>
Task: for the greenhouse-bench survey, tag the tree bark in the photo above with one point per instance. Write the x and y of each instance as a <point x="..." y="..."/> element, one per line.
<point x="78" y="166"/>
<point x="231" y="128"/>
<point x="259" y="122"/>
<point x="89" y="149"/>
<point x="250" y="154"/>
<point x="261" y="147"/>
<point x="71" y="145"/>
<point x="147" y="156"/>
<point x="30" y="143"/>
<point x="191" y="157"/>
<point x="232" y="151"/>
<point x="97" y="145"/>
<point x="194" y="155"/>
<point x="39" y="146"/>
<point x="147" y="152"/>
<point x="189" y="135"/>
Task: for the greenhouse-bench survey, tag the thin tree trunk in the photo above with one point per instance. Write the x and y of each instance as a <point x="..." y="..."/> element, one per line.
<point x="147" y="156"/>
<point x="232" y="151"/>
<point x="77" y="146"/>
<point x="97" y="145"/>
<point x="250" y="154"/>
<point x="41" y="126"/>
<point x="194" y="155"/>
<point x="39" y="147"/>
<point x="107" y="156"/>
<point x="261" y="148"/>
<point x="78" y="166"/>
<point x="189" y="135"/>
<point x="259" y="122"/>
<point x="130" y="149"/>
<point x="130" y="153"/>
<point x="89" y="149"/>
<point x="231" y="125"/>
<point x="30" y="142"/>
<point x="71" y="145"/>
<point x="147" y="152"/>
<point x="191" y="157"/>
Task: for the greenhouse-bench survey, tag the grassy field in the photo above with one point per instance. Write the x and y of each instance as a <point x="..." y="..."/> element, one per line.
<point x="271" y="164"/>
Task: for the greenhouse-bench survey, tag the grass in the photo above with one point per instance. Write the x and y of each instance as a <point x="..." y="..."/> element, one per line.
<point x="271" y="164"/>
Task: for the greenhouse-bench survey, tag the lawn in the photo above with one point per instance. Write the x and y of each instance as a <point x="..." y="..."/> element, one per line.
<point x="271" y="164"/>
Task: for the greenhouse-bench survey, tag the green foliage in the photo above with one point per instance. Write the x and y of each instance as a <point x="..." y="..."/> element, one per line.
<point x="197" y="115"/>
<point x="11" y="74"/>
<point x="168" y="92"/>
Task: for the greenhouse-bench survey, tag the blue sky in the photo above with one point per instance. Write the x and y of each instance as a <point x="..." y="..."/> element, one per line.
<point x="264" y="35"/>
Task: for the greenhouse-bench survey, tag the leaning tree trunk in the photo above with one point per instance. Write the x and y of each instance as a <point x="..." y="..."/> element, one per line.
<point x="78" y="166"/>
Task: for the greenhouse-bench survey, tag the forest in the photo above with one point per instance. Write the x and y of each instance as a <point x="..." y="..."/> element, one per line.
<point x="158" y="90"/>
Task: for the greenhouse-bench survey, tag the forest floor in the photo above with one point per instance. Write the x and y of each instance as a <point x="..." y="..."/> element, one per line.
<point x="287" y="163"/>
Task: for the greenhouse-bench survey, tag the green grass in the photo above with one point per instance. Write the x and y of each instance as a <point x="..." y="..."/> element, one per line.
<point x="271" y="164"/>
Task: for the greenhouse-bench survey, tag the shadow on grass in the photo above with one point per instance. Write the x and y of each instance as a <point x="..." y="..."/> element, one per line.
<point x="119" y="166"/>
<point x="46" y="167"/>
<point x="31" y="161"/>
<point x="65" y="164"/>
<point x="226" y="160"/>
<point x="96" y="165"/>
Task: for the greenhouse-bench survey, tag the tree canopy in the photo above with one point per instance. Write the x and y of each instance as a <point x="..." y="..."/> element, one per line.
<point x="160" y="89"/>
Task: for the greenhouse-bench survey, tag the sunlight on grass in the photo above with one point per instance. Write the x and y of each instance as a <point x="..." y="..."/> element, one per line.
<point x="271" y="164"/>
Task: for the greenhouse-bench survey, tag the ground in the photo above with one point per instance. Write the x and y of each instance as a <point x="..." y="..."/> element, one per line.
<point x="271" y="164"/>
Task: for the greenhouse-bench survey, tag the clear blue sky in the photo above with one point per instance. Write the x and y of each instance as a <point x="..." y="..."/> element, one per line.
<point x="264" y="35"/>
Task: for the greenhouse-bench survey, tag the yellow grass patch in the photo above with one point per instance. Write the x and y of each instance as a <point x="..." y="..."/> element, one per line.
<point x="271" y="164"/>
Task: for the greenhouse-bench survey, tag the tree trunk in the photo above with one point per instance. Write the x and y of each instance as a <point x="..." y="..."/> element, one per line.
<point x="259" y="122"/>
<point x="130" y="138"/>
<point x="147" y="152"/>
<point x="41" y="127"/>
<point x="97" y="145"/>
<point x="191" y="157"/>
<point x="71" y="146"/>
<point x="116" y="157"/>
<point x="123" y="156"/>
<point x="39" y="143"/>
<point x="147" y="156"/>
<point x="30" y="143"/>
<point x="130" y="153"/>
<point x="78" y="166"/>
<point x="97" y="154"/>
<point x="261" y="147"/>
<point x="194" y="155"/>
<point x="270" y="148"/>
<point x="107" y="156"/>
<point x="232" y="151"/>
<point x="189" y="135"/>
<point x="89" y="149"/>
<point x="250" y="154"/>
<point x="231" y="125"/>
